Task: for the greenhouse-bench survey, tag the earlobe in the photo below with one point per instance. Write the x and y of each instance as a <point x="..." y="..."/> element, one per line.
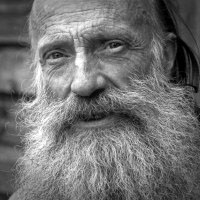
<point x="170" y="52"/>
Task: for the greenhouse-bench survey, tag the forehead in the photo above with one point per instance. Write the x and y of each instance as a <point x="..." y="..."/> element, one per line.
<point x="67" y="15"/>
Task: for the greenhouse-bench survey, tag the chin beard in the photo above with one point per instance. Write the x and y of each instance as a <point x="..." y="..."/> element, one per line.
<point x="151" y="152"/>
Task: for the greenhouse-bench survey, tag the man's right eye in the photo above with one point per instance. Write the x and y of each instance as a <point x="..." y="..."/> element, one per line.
<point x="56" y="57"/>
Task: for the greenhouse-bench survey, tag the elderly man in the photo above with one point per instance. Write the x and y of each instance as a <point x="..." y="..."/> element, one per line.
<point x="114" y="116"/>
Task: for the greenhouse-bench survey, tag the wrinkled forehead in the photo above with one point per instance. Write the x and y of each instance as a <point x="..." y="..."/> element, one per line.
<point x="46" y="13"/>
<point x="41" y="7"/>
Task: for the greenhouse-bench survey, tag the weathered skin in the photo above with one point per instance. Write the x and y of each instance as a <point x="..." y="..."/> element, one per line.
<point x="74" y="40"/>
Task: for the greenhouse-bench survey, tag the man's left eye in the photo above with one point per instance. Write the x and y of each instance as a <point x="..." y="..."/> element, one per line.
<point x="55" y="55"/>
<point x="114" y="46"/>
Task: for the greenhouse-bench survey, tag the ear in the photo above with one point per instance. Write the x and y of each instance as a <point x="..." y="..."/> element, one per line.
<point x="170" y="52"/>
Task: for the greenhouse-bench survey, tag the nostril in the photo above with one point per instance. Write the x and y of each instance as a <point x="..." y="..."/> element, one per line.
<point x="97" y="93"/>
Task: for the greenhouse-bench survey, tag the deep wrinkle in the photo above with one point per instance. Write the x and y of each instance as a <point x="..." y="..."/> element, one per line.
<point x="116" y="11"/>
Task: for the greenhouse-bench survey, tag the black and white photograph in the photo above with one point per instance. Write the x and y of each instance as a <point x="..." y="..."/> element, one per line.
<point x="99" y="100"/>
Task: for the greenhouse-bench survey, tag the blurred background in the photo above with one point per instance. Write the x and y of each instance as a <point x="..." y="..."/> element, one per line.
<point x="14" y="82"/>
<point x="15" y="75"/>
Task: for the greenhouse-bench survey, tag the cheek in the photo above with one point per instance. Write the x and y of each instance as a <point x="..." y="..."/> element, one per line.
<point x="119" y="71"/>
<point x="58" y="82"/>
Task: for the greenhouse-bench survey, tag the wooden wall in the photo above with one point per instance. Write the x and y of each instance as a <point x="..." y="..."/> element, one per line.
<point x="13" y="20"/>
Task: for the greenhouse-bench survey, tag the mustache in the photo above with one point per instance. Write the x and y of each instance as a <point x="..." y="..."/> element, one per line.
<point x="99" y="105"/>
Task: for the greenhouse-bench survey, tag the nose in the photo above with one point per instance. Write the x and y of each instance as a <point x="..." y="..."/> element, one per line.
<point x="87" y="78"/>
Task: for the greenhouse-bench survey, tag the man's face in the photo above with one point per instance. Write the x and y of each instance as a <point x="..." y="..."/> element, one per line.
<point x="88" y="46"/>
<point x="106" y="124"/>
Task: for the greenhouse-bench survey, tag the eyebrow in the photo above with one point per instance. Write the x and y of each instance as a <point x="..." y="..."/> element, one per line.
<point x="52" y="39"/>
<point x="110" y="33"/>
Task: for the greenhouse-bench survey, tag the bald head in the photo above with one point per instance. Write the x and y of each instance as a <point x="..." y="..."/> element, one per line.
<point x="54" y="13"/>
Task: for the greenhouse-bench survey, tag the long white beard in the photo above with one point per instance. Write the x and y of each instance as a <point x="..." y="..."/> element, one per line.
<point x="151" y="153"/>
